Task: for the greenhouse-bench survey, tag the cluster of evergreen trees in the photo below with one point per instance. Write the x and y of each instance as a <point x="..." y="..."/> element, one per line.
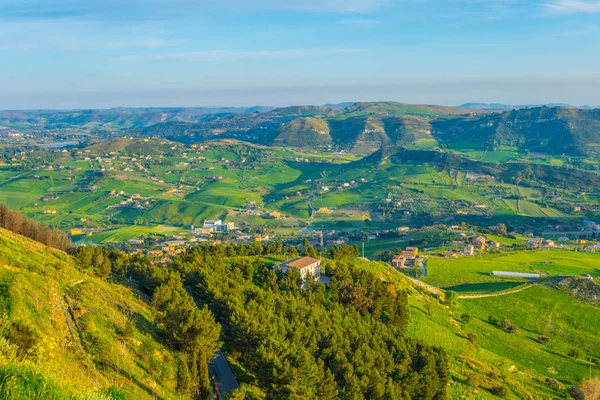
<point x="19" y="224"/>
<point x="344" y="341"/>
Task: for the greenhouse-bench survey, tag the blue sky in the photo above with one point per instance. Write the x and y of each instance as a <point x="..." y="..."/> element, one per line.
<point x="80" y="54"/>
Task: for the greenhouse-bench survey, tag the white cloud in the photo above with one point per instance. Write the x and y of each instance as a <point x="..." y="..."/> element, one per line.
<point x="572" y="6"/>
<point x="214" y="55"/>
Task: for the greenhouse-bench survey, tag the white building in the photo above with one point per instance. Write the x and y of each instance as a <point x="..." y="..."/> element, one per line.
<point x="305" y="266"/>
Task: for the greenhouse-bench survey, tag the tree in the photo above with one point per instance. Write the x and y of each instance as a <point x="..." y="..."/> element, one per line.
<point x="185" y="325"/>
<point x="184" y="380"/>
<point x="506" y="324"/>
<point x="501" y="229"/>
<point x="466" y="318"/>
<point x="451" y="298"/>
<point x="204" y="389"/>
<point x="493" y="320"/>
<point x="328" y="387"/>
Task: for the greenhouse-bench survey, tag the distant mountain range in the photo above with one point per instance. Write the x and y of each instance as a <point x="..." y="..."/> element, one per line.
<point x="506" y="107"/>
<point x="360" y="128"/>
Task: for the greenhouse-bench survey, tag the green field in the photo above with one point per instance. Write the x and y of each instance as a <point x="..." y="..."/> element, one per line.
<point x="445" y="272"/>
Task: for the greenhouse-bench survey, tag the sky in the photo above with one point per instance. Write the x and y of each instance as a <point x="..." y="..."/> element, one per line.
<point x="115" y="53"/>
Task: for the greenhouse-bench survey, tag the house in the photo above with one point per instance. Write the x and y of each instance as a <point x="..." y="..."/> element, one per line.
<point x="469" y="250"/>
<point x="480" y="242"/>
<point x="410" y="253"/>
<point x="536" y="243"/>
<point x="399" y="261"/>
<point x="48" y="198"/>
<point x="155" y="253"/>
<point x="305" y="266"/>
<point x="495" y="244"/>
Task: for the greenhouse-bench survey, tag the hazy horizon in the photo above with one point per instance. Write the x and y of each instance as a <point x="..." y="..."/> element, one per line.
<point x="134" y="53"/>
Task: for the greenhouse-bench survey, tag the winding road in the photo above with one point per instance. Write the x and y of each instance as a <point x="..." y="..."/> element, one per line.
<point x="225" y="380"/>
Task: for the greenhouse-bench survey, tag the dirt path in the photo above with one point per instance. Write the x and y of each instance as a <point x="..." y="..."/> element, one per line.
<point x="503" y="293"/>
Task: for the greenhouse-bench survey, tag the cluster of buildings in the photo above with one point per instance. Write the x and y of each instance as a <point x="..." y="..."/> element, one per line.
<point x="214" y="226"/>
<point x="406" y="259"/>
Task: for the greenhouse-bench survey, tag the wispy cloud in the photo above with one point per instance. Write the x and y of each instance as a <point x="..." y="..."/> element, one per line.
<point x="572" y="6"/>
<point x="161" y="9"/>
<point x="218" y="55"/>
<point x="76" y="35"/>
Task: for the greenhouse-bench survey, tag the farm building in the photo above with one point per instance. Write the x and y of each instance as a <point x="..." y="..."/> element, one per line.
<point x="399" y="261"/>
<point x="410" y="253"/>
<point x="515" y="275"/>
<point x="469" y="250"/>
<point x="480" y="242"/>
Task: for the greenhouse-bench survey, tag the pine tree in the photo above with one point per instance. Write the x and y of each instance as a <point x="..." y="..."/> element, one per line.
<point x="204" y="389"/>
<point x="184" y="380"/>
<point x="328" y="387"/>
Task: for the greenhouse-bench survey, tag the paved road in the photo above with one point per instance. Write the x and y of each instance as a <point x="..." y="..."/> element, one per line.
<point x="423" y="269"/>
<point x="225" y="380"/>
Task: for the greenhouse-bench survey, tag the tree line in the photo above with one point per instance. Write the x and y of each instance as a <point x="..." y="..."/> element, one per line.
<point x="17" y="223"/>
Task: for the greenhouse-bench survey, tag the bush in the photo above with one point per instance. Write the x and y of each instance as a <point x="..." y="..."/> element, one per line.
<point x="22" y="336"/>
<point x="474" y="381"/>
<point x="512" y="329"/>
<point x="544" y="339"/>
<point x="506" y="324"/>
<point x="472" y="338"/>
<point x="451" y="298"/>
<point x="466" y="318"/>
<point x="499" y="391"/>
<point x="493" y="320"/>
<point x="553" y="383"/>
<point x="576" y="393"/>
<point x="574" y="353"/>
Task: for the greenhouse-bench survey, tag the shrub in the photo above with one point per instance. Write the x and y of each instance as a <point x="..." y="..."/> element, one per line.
<point x="474" y="381"/>
<point x="499" y="391"/>
<point x="574" y="353"/>
<point x="576" y="393"/>
<point x="513" y="329"/>
<point x="553" y="383"/>
<point x="472" y="338"/>
<point x="451" y="298"/>
<point x="466" y="318"/>
<point x="544" y="339"/>
<point x="22" y="336"/>
<point x="493" y="320"/>
<point x="506" y="324"/>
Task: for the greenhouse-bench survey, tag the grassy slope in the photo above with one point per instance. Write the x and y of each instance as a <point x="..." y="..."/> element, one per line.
<point x="451" y="272"/>
<point x="112" y="343"/>
<point x="515" y="360"/>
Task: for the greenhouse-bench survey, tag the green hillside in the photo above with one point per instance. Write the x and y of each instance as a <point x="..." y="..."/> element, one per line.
<point x="553" y="130"/>
<point x="65" y="334"/>
<point x="304" y="132"/>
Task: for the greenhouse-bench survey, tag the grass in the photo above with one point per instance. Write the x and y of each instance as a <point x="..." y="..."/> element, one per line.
<point x="45" y="291"/>
<point x="453" y="272"/>
<point x="515" y="360"/>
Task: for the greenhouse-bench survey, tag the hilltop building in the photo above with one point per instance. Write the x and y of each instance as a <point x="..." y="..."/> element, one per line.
<point x="305" y="266"/>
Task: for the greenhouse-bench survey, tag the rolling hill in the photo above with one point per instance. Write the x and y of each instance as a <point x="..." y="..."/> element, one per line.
<point x="65" y="334"/>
